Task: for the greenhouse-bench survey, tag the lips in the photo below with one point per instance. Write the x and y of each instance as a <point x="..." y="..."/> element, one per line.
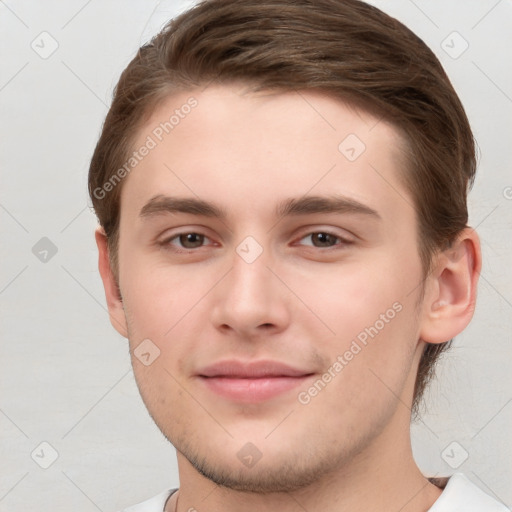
<point x="253" y="369"/>
<point x="254" y="381"/>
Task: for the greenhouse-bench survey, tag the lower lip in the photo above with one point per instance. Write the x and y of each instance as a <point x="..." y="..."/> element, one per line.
<point x="252" y="390"/>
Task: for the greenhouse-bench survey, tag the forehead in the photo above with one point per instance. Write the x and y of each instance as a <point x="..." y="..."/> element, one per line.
<point x="245" y="149"/>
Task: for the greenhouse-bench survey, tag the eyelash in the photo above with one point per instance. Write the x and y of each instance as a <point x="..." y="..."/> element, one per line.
<point x="341" y="241"/>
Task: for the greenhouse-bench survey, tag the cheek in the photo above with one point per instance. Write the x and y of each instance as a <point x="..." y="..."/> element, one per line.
<point x="352" y="296"/>
<point x="367" y="372"/>
<point x="374" y="324"/>
<point x="161" y="393"/>
<point x="167" y="314"/>
<point x="159" y="298"/>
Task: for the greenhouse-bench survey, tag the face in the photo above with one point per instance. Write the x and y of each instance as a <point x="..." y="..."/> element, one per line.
<point x="269" y="271"/>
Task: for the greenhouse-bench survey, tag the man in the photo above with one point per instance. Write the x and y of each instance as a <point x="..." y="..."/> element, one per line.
<point x="281" y="188"/>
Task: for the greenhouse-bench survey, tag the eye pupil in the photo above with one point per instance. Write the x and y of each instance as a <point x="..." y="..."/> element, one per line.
<point x="191" y="240"/>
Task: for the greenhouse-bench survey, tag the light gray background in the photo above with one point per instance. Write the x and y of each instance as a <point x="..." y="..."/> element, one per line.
<point x="65" y="373"/>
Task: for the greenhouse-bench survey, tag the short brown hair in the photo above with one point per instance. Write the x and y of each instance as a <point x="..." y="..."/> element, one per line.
<point x="344" y="48"/>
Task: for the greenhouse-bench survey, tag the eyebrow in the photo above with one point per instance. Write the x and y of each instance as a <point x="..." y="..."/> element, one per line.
<point x="165" y="204"/>
<point x="324" y="204"/>
<point x="305" y="205"/>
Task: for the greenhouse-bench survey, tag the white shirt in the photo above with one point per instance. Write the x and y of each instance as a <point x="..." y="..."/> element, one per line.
<point x="459" y="495"/>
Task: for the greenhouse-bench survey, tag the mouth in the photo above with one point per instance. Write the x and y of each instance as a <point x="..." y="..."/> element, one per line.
<point x="253" y="381"/>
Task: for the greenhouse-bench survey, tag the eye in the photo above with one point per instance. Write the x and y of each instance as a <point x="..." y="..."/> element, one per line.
<point x="324" y="239"/>
<point x="187" y="240"/>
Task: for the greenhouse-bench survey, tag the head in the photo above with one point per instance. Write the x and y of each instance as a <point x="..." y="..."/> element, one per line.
<point x="245" y="105"/>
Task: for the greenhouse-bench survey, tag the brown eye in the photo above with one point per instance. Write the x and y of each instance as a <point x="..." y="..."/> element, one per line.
<point x="191" y="240"/>
<point x="321" y="239"/>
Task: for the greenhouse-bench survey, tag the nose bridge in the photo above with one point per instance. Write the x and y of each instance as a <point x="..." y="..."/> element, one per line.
<point x="250" y="295"/>
<point x="249" y="274"/>
<point x="250" y="277"/>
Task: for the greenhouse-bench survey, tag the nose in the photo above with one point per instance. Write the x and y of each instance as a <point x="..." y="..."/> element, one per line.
<point x="251" y="301"/>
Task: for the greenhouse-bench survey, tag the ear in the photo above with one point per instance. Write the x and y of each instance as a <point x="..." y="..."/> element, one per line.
<point x="112" y="292"/>
<point x="450" y="295"/>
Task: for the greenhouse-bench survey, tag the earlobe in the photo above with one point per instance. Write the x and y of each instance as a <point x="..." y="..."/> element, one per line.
<point x="112" y="292"/>
<point x="449" y="303"/>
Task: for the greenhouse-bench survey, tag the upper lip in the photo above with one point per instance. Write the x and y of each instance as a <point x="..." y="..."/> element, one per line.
<point x="251" y="369"/>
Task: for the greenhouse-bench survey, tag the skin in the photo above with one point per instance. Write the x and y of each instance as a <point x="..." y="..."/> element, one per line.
<point x="302" y="301"/>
